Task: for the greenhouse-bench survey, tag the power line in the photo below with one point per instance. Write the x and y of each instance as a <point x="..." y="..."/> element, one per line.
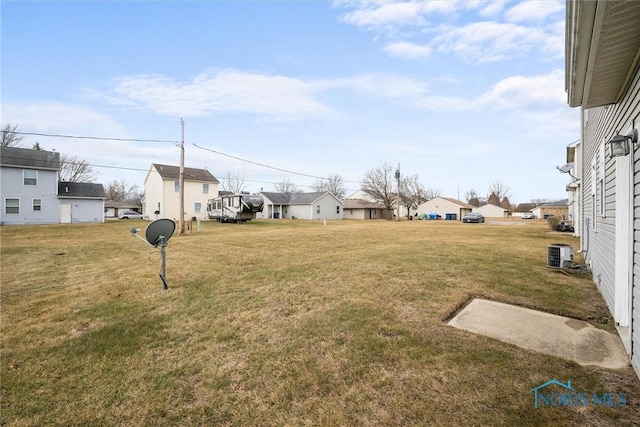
<point x="99" y="138"/>
<point x="265" y="166"/>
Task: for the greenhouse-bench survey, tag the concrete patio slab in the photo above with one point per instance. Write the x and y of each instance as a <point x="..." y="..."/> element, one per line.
<point x="547" y="333"/>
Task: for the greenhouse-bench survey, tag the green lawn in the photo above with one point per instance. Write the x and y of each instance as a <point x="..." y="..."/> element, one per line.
<point x="286" y="323"/>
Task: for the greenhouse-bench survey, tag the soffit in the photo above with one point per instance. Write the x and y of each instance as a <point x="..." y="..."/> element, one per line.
<point x="603" y="45"/>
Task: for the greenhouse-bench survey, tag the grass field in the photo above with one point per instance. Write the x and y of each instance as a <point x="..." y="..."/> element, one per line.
<point x="286" y="323"/>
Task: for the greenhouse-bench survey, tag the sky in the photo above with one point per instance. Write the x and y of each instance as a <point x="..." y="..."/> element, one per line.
<point x="463" y="94"/>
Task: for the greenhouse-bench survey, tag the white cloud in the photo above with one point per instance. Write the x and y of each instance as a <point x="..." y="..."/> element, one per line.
<point x="390" y="86"/>
<point x="491" y="9"/>
<point x="488" y="41"/>
<point x="506" y="35"/>
<point x="533" y="11"/>
<point x="381" y="15"/>
<point x="55" y="117"/>
<point x="521" y="92"/>
<point x="276" y="97"/>
<point x="407" y="50"/>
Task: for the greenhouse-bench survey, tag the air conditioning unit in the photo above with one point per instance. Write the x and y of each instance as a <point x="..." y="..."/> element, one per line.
<point x="560" y="256"/>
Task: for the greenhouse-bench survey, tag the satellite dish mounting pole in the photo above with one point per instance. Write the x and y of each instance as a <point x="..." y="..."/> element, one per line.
<point x="162" y="242"/>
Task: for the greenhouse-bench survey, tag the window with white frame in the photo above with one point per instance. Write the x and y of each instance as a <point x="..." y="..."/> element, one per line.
<point x="176" y="186"/>
<point x="197" y="207"/>
<point x="317" y="209"/>
<point x="37" y="205"/>
<point x="11" y="206"/>
<point x="30" y="177"/>
<point x="205" y="188"/>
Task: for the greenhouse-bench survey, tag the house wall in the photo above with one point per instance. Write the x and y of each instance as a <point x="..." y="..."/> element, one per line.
<point x="442" y="207"/>
<point x="154" y="197"/>
<point x="600" y="227"/>
<point x="364" y="213"/>
<point x="85" y="210"/>
<point x="330" y="208"/>
<point x="559" y="211"/>
<point x="492" y="211"/>
<point x="12" y="187"/>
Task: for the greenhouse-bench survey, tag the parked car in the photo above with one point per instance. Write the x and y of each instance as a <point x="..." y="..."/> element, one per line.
<point x="528" y="215"/>
<point x="130" y="215"/>
<point x="473" y="217"/>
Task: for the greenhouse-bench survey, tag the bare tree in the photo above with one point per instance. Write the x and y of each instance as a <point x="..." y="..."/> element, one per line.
<point x="334" y="184"/>
<point x="379" y="183"/>
<point x="493" y="199"/>
<point x="233" y="183"/>
<point x="432" y="193"/>
<point x="414" y="193"/>
<point x="500" y="190"/>
<point x="470" y="195"/>
<point x="286" y="186"/>
<point x="506" y="204"/>
<point x="121" y="191"/>
<point x="73" y="169"/>
<point x="9" y="136"/>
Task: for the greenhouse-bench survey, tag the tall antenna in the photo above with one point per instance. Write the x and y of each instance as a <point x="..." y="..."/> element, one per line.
<point x="181" y="182"/>
<point x="398" y="200"/>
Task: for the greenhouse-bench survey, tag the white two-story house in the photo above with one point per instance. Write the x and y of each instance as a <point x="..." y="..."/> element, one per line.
<point x="162" y="192"/>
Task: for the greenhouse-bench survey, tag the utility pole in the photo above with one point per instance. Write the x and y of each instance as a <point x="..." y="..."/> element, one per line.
<point x="181" y="182"/>
<point x="398" y="198"/>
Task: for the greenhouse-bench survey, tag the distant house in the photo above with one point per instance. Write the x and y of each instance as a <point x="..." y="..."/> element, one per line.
<point x="364" y="209"/>
<point x="162" y="192"/>
<point x="522" y="208"/>
<point x="113" y="208"/>
<point x="559" y="209"/>
<point x="369" y="197"/>
<point x="81" y="202"/>
<point x="29" y="186"/>
<point x="315" y="205"/>
<point x="493" y="211"/>
<point x="444" y="206"/>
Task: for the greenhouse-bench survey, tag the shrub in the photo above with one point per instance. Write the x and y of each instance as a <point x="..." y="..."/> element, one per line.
<point x="553" y="221"/>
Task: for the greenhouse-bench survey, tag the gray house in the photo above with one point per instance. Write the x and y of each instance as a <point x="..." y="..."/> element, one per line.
<point x="29" y="186"/>
<point x="31" y="193"/>
<point x="316" y="205"/>
<point x="603" y="78"/>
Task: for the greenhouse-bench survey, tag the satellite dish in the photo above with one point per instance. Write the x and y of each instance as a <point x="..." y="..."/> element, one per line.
<point x="159" y="228"/>
<point x="157" y="234"/>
